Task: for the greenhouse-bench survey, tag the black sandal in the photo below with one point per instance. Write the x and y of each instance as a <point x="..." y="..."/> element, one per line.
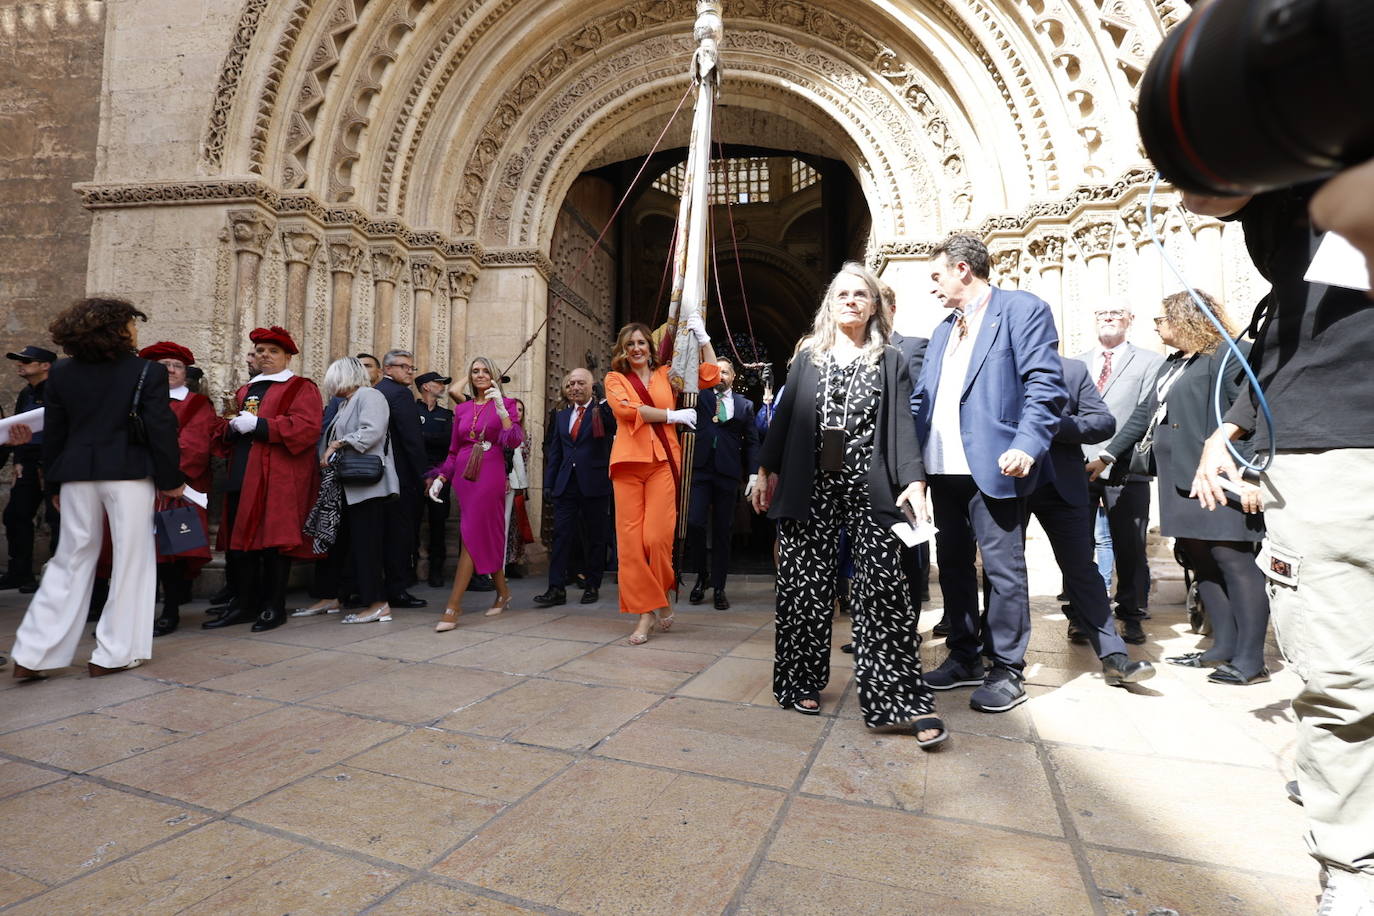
<point x="814" y="697"/>
<point x="929" y="722"/>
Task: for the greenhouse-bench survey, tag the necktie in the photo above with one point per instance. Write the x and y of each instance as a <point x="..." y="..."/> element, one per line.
<point x="1106" y="372"/>
<point x="577" y="421"/>
<point x="961" y="325"/>
<point x="720" y="409"/>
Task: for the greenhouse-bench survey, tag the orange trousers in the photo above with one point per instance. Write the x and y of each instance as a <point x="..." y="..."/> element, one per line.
<point x="645" y="516"/>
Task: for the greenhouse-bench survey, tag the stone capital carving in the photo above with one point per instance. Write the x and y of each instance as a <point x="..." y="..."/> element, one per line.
<point x="1048" y="250"/>
<point x="1136" y="223"/>
<point x="1095" y="238"/>
<point x="387" y="264"/>
<point x="299" y="244"/>
<point x="345" y="257"/>
<point x="425" y="274"/>
<point x="250" y="230"/>
<point x="461" y="281"/>
<point x="1006" y="262"/>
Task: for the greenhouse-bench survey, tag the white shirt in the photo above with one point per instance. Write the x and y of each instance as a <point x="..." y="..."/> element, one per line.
<point x="944" y="451"/>
<point x="179" y="394"/>
<point x="573" y="418"/>
<point x="1099" y="354"/>
<point x="274" y="377"/>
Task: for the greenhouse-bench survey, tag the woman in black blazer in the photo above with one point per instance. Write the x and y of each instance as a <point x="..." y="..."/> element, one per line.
<point x="1173" y="421"/>
<point x="842" y="445"/>
<point x="97" y="467"/>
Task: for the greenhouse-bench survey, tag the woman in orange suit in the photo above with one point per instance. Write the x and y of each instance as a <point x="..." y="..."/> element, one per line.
<point x="645" y="464"/>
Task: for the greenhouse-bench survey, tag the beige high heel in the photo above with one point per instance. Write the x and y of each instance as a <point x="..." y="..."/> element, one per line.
<point x="449" y="621"/>
<point x="500" y="606"/>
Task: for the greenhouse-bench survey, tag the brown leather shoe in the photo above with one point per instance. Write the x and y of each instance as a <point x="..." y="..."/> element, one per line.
<point x="100" y="671"/>
<point x="27" y="674"/>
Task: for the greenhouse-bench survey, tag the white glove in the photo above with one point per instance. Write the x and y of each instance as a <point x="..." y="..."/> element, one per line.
<point x="436" y="488"/>
<point x="244" y="424"/>
<point x="501" y="410"/>
<point x="696" y="323"/>
<point x="749" y="487"/>
<point x="687" y="417"/>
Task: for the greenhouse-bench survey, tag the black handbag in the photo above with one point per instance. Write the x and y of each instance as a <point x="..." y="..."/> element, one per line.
<point x="138" y="433"/>
<point x="179" y="529"/>
<point x="358" y="470"/>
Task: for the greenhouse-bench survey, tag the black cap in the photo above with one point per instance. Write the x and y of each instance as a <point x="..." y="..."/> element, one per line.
<point x="33" y="354"/>
<point x="422" y="380"/>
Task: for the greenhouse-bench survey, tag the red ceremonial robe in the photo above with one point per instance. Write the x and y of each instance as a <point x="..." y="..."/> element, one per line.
<point x="198" y="428"/>
<point x="282" y="478"/>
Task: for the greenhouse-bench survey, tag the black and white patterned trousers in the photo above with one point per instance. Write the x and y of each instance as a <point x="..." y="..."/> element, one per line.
<point x="887" y="663"/>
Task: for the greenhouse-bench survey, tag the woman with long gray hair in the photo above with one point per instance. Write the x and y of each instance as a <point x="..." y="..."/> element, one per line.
<point x="842" y="447"/>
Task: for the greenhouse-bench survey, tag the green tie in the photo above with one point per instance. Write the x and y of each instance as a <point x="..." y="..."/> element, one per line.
<point x="720" y="408"/>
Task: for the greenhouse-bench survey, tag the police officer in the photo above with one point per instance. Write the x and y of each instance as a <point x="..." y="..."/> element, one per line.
<point x="26" y="495"/>
<point x="436" y="430"/>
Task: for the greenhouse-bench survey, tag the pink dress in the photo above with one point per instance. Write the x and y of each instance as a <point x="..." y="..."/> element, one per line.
<point x="481" y="502"/>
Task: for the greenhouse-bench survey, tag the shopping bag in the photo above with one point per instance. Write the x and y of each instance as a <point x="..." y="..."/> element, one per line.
<point x="178" y="529"/>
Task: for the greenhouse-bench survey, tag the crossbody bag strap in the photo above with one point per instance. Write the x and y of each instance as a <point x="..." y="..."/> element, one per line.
<point x="138" y="391"/>
<point x="658" y="429"/>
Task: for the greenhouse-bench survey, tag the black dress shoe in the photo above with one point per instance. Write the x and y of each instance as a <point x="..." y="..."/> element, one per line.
<point x="1230" y="674"/>
<point x="551" y="597"/>
<point x="222" y="597"/>
<point x="941" y="628"/>
<point x="1132" y="631"/>
<point x="722" y="602"/>
<point x="698" y="593"/>
<point x="847" y="648"/>
<point x="1076" y="635"/>
<point x="168" y="622"/>
<point x="9" y="580"/>
<point x="269" y="620"/>
<point x="406" y="599"/>
<point x="1117" y="669"/>
<point x="480" y="583"/>
<point x="590" y="595"/>
<point x="1193" y="660"/>
<point x="29" y="588"/>
<point x="233" y="617"/>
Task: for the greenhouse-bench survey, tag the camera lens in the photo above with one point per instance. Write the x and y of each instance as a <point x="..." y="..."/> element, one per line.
<point x="1249" y="95"/>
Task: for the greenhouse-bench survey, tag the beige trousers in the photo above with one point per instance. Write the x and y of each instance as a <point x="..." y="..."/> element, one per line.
<point x="1319" y="558"/>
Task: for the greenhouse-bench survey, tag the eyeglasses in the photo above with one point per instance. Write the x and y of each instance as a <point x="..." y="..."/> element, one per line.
<point x="1110" y="313"/>
<point x="1161" y="320"/>
<point x="405" y="366"/>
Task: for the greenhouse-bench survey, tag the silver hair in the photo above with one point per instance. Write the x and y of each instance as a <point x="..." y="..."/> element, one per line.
<point x="393" y="355"/>
<point x="347" y="373"/>
<point x="495" y="377"/>
<point x="824" y="330"/>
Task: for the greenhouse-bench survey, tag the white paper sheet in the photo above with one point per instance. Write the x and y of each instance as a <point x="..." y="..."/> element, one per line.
<point x="1338" y="263"/>
<point x="912" y="535"/>
<point x="33" y="419"/>
<point x="192" y="495"/>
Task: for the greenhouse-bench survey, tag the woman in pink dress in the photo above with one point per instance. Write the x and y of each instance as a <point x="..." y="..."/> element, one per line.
<point x="483" y="426"/>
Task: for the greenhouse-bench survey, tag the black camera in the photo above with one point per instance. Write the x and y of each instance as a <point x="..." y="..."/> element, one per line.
<point x="1250" y="95"/>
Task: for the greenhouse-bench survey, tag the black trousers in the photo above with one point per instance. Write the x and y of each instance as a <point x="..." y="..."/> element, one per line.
<point x="401" y="521"/>
<point x="970" y="523"/>
<point x="887" y="661"/>
<point x="435" y="516"/>
<point x="713" y="500"/>
<point x="26" y="498"/>
<point x="1128" y="519"/>
<point x="579" y="536"/>
<point x="1070" y="532"/>
<point x="916" y="566"/>
<point x="1234" y="591"/>
<point x="261" y="577"/>
<point x="356" y="556"/>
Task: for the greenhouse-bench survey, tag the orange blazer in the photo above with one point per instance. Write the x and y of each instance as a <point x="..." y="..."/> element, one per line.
<point x="635" y="439"/>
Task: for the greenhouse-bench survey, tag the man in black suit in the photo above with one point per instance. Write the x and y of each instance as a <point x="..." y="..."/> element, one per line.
<point x="26" y="494"/>
<point x="1064" y="511"/>
<point x="577" y="461"/>
<point x="402" y="514"/>
<point x="436" y="429"/>
<point x="727" y="442"/>
<point x="915" y="560"/>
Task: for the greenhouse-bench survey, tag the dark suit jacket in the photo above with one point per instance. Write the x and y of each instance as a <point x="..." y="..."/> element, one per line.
<point x="1085" y="420"/>
<point x="86" y="424"/>
<point x="406" y="442"/>
<point x="789" y="450"/>
<point x="1191" y="415"/>
<point x="914" y="349"/>
<point x="730" y="448"/>
<point x="1012" y="395"/>
<point x="589" y="458"/>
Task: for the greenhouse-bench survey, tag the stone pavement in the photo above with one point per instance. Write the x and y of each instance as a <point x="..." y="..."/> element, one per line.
<point x="533" y="762"/>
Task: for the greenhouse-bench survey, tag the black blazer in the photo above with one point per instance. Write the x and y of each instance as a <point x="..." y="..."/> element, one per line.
<point x="588" y="458"/>
<point x="406" y="442"/>
<point x="789" y="450"/>
<point x="86" y="424"/>
<point x="1191" y="415"/>
<point x="730" y="448"/>
<point x="1086" y="420"/>
<point x="914" y="349"/>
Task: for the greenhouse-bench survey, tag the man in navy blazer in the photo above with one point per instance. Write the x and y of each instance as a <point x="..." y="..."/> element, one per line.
<point x="987" y="405"/>
<point x="577" y="476"/>
<point x="1063" y="508"/>
<point x="727" y="442"/>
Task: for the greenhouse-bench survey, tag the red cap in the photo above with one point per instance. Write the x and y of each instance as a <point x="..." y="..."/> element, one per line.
<point x="165" y="349"/>
<point x="274" y="335"/>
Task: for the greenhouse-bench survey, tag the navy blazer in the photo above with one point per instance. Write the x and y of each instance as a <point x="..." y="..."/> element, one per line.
<point x="1013" y="394"/>
<point x="589" y="457"/>
<point x="1086" y="420"/>
<point x="406" y="442"/>
<point x="730" y="448"/>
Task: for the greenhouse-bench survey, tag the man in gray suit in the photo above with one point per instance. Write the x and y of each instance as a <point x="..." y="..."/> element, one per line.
<point x="1123" y="373"/>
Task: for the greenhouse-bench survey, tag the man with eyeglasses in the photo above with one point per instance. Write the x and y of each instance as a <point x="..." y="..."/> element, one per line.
<point x="1123" y="373"/>
<point x="26" y="494"/>
<point x="402" y="515"/>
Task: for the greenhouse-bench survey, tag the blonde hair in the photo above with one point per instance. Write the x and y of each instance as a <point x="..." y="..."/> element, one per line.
<point x="824" y="330"/>
<point x="495" y="378"/>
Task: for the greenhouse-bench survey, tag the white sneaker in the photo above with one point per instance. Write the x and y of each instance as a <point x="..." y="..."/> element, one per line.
<point x="1345" y="895"/>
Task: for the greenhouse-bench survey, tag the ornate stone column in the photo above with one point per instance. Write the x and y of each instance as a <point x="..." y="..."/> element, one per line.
<point x="1006" y="264"/>
<point x="1206" y="267"/>
<point x="460" y="282"/>
<point x="387" y="264"/>
<point x="424" y="274"/>
<point x="345" y="257"/>
<point x="299" y="245"/>
<point x="1147" y="277"/>
<point x="1095" y="241"/>
<point x="249" y="231"/>
<point x="1048" y="251"/>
